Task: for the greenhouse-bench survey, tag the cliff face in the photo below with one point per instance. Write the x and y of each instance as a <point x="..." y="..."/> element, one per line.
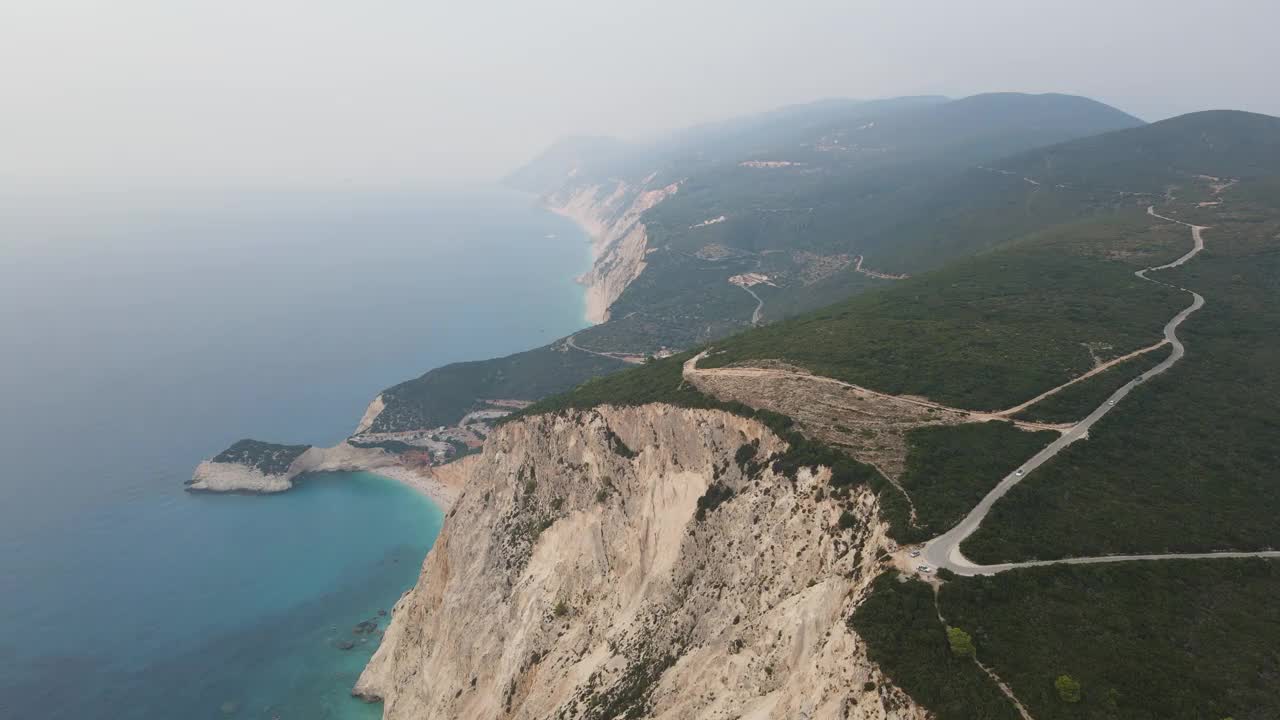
<point x="610" y="215"/>
<point x="638" y="560"/>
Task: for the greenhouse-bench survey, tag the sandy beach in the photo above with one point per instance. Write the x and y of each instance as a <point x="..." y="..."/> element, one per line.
<point x="435" y="489"/>
<point x="441" y="484"/>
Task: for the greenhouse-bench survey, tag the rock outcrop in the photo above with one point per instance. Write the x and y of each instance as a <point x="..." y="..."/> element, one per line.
<point x="265" y="472"/>
<point x="371" y="414"/>
<point x="610" y="215"/>
<point x="641" y="561"/>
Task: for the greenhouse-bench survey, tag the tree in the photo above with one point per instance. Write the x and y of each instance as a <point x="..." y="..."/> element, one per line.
<point x="960" y="641"/>
<point x="1068" y="689"/>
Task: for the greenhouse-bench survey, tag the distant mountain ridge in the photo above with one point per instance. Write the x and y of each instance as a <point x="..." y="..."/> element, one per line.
<point x="794" y="195"/>
<point x="1219" y="143"/>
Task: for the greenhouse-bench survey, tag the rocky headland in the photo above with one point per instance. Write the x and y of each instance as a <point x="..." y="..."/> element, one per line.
<point x="638" y="562"/>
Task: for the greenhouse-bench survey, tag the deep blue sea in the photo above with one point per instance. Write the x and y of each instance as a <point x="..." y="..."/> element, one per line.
<point x="141" y="332"/>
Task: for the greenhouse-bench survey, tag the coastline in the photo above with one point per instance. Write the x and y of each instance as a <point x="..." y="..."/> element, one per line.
<point x="595" y="309"/>
<point x="441" y="494"/>
<point x="611" y="220"/>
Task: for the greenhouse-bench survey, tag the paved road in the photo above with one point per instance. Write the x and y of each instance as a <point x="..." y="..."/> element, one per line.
<point x="1001" y="567"/>
<point x="944" y="550"/>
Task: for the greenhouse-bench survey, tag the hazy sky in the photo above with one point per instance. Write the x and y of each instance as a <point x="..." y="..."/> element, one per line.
<point x="282" y="92"/>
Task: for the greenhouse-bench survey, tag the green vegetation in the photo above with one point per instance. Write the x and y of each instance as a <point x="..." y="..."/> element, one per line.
<point x="951" y="467"/>
<point x="620" y="448"/>
<point x="899" y="623"/>
<point x="863" y="173"/>
<point x="444" y="395"/>
<point x="1068" y="689"/>
<point x="984" y="333"/>
<point x="716" y="494"/>
<point x="960" y="641"/>
<point x="660" y="381"/>
<point x="1221" y="143"/>
<point x="628" y="698"/>
<point x="268" y="458"/>
<point x="746" y="453"/>
<point x="1077" y="401"/>
<point x="1189" y="461"/>
<point x="1166" y="640"/>
<point x="395" y="446"/>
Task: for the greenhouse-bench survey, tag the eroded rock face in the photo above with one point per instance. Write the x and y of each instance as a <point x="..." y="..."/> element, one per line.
<point x="610" y="215"/>
<point x="638" y="559"/>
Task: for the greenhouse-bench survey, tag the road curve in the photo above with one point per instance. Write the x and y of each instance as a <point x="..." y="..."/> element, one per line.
<point x="944" y="550"/>
<point x="755" y="316"/>
<point x="632" y="359"/>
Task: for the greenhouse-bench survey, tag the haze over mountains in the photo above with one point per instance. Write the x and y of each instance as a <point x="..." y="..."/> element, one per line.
<point x="881" y="179"/>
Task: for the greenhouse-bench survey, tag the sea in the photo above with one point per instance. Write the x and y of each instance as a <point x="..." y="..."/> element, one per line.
<point x="143" y="331"/>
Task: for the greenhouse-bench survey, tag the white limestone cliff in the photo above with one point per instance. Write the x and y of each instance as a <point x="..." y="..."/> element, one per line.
<point x="587" y="570"/>
<point x="610" y="215"/>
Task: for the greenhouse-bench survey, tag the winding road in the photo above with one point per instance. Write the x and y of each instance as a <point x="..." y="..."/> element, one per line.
<point x="755" y="316"/>
<point x="632" y="359"/>
<point x="944" y="550"/>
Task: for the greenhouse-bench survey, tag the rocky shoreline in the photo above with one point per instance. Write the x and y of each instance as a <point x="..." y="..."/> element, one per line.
<point x="610" y="217"/>
<point x="439" y="485"/>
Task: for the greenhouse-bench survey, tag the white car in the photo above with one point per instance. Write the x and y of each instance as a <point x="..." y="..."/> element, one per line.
<point x="915" y="553"/>
<point x="1019" y="473"/>
<point x="1111" y="402"/>
<point x="924" y="568"/>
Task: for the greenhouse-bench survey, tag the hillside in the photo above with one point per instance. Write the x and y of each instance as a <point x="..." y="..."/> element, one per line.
<point x="442" y="396"/>
<point x="987" y="332"/>
<point x="910" y="380"/>
<point x="664" y="262"/>
<point x="1218" y="143"/>
<point x="802" y="211"/>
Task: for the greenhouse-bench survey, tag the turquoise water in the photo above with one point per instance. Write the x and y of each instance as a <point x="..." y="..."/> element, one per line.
<point x="143" y="333"/>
